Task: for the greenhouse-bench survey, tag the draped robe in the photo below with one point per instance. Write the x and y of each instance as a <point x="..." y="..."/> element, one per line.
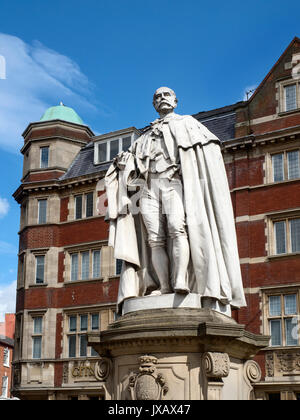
<point x="214" y="268"/>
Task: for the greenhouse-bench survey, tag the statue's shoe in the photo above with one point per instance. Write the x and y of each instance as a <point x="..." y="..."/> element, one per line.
<point x="160" y="292"/>
<point x="182" y="290"/>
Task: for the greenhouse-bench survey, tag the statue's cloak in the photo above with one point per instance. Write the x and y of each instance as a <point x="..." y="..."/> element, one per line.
<point x="214" y="269"/>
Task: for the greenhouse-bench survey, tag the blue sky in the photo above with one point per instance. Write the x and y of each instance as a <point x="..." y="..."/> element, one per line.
<point x="105" y="58"/>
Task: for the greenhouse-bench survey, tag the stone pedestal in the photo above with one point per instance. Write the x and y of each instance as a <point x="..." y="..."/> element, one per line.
<point x="177" y="354"/>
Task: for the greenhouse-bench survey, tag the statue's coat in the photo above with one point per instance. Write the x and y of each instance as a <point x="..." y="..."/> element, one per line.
<point x="214" y="269"/>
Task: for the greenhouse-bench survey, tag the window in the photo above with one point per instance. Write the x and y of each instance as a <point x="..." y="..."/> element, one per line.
<point x="290" y="95"/>
<point x="40" y="269"/>
<point x="74" y="267"/>
<point x="44" y="161"/>
<point x="78" y="207"/>
<point x="6" y="357"/>
<point x="283" y="319"/>
<point x="119" y="264"/>
<point x="96" y="264"/>
<point x="285" y="166"/>
<point x="4" y="393"/>
<point x="114" y="149"/>
<point x="89" y="205"/>
<point x="287" y="236"/>
<point x="42" y="211"/>
<point x="109" y="149"/>
<point x="78" y="327"/>
<point x="126" y="143"/>
<point x="102" y="152"/>
<point x="86" y="265"/>
<point x="84" y="206"/>
<point x="37" y="337"/>
<point x="95" y="322"/>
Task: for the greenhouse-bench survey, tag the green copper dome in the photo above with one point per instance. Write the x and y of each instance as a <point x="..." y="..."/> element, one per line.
<point x="62" y="113"/>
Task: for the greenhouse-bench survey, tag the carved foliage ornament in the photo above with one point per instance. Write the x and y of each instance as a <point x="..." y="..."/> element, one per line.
<point x="216" y="365"/>
<point x="148" y="384"/>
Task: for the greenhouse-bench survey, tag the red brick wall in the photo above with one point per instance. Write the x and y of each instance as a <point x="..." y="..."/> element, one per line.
<point x="43" y="176"/>
<point x="89" y="293"/>
<point x="64" y="209"/>
<point x="5" y="371"/>
<point x="58" y="131"/>
<point x="7" y="328"/>
<point x="88" y="230"/>
<point x="264" y="102"/>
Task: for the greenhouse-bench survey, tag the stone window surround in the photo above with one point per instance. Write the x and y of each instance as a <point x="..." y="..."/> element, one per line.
<point x="84" y="204"/>
<point x="269" y="170"/>
<point x="78" y="312"/>
<point x="79" y="249"/>
<point x="31" y="315"/>
<point x="272" y="218"/>
<point x="42" y="252"/>
<point x="39" y="199"/>
<point x="282" y="290"/>
<point x="281" y="85"/>
<point x="4" y="394"/>
<point x="6" y="357"/>
<point x="44" y="146"/>
<point x="107" y="141"/>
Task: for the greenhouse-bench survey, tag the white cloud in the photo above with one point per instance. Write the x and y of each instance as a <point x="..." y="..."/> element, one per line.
<point x="7" y="248"/>
<point x="7" y="299"/>
<point x="4" y="207"/>
<point x="36" y="78"/>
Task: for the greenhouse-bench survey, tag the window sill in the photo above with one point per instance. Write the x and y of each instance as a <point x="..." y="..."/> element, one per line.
<point x="282" y="348"/>
<point x="38" y="285"/>
<point x="283" y="256"/>
<point x="97" y="280"/>
<point x="287" y="113"/>
<point x="285" y="181"/>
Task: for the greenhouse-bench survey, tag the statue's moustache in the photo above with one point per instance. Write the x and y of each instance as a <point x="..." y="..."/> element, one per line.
<point x="165" y="103"/>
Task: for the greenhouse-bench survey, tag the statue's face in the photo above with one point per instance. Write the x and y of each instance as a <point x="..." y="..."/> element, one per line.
<point x="164" y="100"/>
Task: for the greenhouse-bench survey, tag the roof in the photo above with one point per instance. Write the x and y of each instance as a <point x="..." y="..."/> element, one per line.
<point x="220" y="122"/>
<point x="295" y="40"/>
<point x="83" y="164"/>
<point x="6" y="341"/>
<point x="62" y="112"/>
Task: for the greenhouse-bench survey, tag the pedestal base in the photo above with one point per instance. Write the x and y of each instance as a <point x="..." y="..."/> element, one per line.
<point x="173" y="301"/>
<point x="178" y="354"/>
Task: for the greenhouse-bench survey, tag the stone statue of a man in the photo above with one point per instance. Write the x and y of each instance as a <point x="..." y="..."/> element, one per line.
<point x="170" y="212"/>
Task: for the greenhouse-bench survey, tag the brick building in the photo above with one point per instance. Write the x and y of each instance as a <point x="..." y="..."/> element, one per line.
<point x="68" y="279"/>
<point x="7" y="331"/>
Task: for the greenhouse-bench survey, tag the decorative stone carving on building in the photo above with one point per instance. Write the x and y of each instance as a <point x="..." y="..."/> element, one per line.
<point x="148" y="384"/>
<point x="103" y="369"/>
<point x="66" y="373"/>
<point x="17" y="374"/>
<point x="252" y="371"/>
<point x="216" y="365"/>
<point x="270" y="365"/>
<point x="288" y="362"/>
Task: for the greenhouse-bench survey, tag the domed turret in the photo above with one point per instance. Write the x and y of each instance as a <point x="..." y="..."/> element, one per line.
<point x="51" y="144"/>
<point x="63" y="113"/>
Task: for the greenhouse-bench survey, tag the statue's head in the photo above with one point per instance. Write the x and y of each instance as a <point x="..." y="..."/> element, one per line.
<point x="164" y="100"/>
